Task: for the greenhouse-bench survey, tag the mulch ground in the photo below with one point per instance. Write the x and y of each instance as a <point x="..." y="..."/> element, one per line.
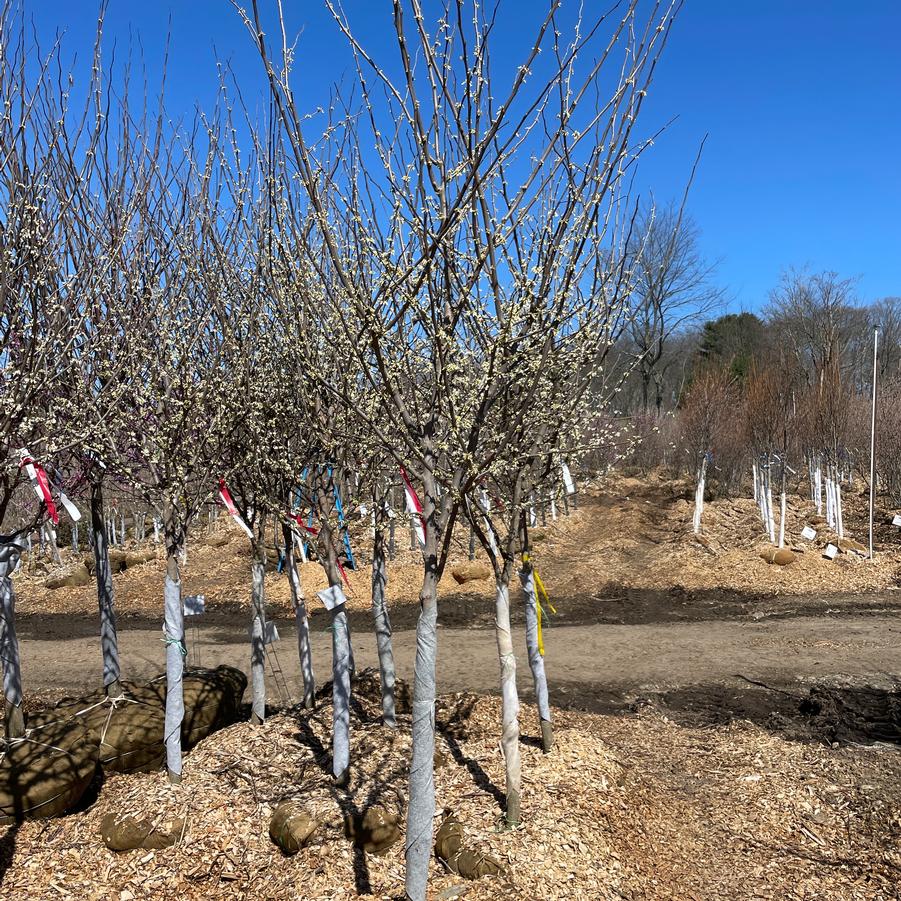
<point x="623" y="808"/>
<point x="626" y="807"/>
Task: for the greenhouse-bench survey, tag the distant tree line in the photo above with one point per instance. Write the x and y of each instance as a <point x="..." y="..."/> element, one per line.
<point x="788" y="387"/>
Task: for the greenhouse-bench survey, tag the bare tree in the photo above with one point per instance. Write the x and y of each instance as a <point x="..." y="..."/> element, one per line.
<point x="673" y="291"/>
<point x="818" y="315"/>
<point x="774" y="428"/>
<point x="47" y="142"/>
<point x="885" y="314"/>
<point x="711" y="424"/>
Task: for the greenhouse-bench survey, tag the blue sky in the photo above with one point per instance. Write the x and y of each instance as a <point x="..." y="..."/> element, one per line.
<point x="800" y="99"/>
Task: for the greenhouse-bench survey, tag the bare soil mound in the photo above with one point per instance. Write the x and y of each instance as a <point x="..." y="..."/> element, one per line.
<point x="628" y="541"/>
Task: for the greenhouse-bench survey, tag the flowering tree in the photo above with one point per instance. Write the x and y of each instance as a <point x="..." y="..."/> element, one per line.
<point x="484" y="206"/>
<point x="45" y="317"/>
<point x="166" y="441"/>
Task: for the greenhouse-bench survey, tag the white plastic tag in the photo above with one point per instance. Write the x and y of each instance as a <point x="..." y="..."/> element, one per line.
<point x="808" y="533"/>
<point x="194" y="604"/>
<point x="831" y="551"/>
<point x="896" y="520"/>
<point x="71" y="509"/>
<point x="568" y="483"/>
<point x="270" y="633"/>
<point x="331" y="597"/>
<point x="298" y="543"/>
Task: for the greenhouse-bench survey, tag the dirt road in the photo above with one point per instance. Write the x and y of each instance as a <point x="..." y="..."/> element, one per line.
<point x="700" y="669"/>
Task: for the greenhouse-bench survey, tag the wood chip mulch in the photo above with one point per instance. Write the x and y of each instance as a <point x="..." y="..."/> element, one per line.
<point x="624" y="808"/>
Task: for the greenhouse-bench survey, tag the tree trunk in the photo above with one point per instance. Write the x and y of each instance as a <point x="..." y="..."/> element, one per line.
<point x="10" y="551"/>
<point x="818" y="478"/>
<point x="836" y="489"/>
<point x="382" y="622"/>
<point x="258" y="623"/>
<point x="341" y="662"/>
<point x="54" y="546"/>
<point x="341" y="670"/>
<point x="176" y="651"/>
<point x="658" y="399"/>
<point x="392" y="547"/>
<point x="109" y="642"/>
<point x="298" y="600"/>
<point x="645" y="391"/>
<point x="536" y="660"/>
<point x="768" y="488"/>
<point x="509" y="697"/>
<point x="421" y="807"/>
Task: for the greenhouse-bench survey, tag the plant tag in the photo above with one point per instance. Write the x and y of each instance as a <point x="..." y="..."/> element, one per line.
<point x="808" y="533"/>
<point x="71" y="509"/>
<point x="831" y="551"/>
<point x="229" y="505"/>
<point x="270" y="633"/>
<point x="896" y="520"/>
<point x="568" y="483"/>
<point x="331" y="598"/>
<point x="194" y="604"/>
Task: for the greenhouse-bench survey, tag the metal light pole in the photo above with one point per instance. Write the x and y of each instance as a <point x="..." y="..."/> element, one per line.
<point x="873" y="439"/>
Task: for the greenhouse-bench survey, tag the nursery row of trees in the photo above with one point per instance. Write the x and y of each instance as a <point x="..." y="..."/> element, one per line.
<point x="793" y="391"/>
<point x="421" y="286"/>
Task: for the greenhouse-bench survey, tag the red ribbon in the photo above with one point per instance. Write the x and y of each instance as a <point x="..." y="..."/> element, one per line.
<point x="42" y="487"/>
<point x="232" y="509"/>
<point x="413" y="500"/>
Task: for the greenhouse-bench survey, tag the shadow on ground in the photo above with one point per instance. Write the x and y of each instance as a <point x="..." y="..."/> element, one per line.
<point x="612" y="604"/>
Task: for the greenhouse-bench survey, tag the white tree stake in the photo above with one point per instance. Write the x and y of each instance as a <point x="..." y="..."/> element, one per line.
<point x="818" y="479"/>
<point x="699" y="495"/>
<point x="782" y="516"/>
<point x="770" y="519"/>
<point x="873" y="439"/>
